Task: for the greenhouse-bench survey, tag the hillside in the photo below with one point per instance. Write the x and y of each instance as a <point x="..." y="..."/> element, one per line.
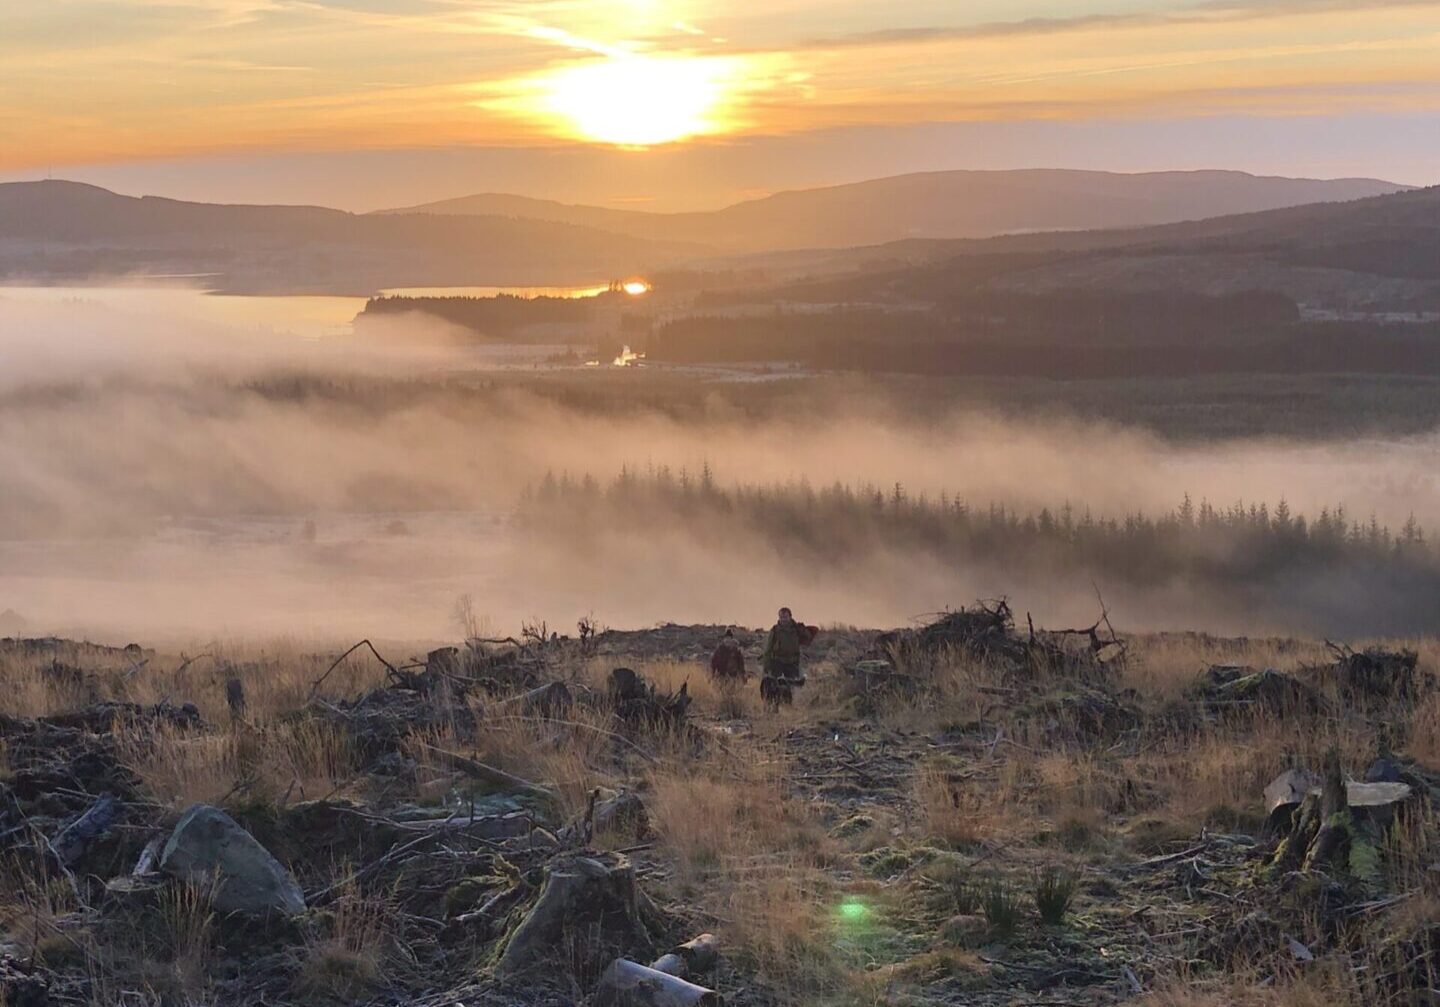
<point x="65" y="230"/>
<point x="970" y="811"/>
<point x="948" y="204"/>
<point x="1352" y="287"/>
<point x="1375" y="254"/>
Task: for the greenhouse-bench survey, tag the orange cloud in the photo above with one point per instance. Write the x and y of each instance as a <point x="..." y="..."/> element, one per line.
<point x="145" y="79"/>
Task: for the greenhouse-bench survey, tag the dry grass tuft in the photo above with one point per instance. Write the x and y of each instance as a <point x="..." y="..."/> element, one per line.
<point x="301" y="760"/>
<point x="780" y="919"/>
<point x="187" y="923"/>
<point x="346" y="962"/>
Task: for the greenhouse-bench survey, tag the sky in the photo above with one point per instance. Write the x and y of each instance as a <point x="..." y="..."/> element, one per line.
<point x="678" y="104"/>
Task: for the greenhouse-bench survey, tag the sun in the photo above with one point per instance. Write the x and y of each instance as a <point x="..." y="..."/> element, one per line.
<point x="639" y="100"/>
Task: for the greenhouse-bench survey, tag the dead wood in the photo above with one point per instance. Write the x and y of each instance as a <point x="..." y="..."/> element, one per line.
<point x="698" y="955"/>
<point x="72" y="842"/>
<point x="315" y="686"/>
<point x="489" y="774"/>
<point x="589" y="903"/>
<point x="630" y="984"/>
<point x="544" y="701"/>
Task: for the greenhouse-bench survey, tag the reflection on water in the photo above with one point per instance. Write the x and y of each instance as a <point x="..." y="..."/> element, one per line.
<point x="495" y="291"/>
<point x="304" y="315"/>
<point x="310" y="317"/>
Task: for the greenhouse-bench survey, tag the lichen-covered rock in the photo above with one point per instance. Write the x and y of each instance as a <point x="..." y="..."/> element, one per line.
<point x="210" y="850"/>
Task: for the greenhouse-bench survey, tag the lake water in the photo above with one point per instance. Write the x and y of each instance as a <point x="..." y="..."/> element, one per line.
<point x="306" y="316"/>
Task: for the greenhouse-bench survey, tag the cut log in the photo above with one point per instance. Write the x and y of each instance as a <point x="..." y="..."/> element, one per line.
<point x="694" y="957"/>
<point x="630" y="984"/>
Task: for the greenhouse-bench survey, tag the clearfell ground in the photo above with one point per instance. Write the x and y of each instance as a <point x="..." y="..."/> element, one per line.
<point x="966" y="813"/>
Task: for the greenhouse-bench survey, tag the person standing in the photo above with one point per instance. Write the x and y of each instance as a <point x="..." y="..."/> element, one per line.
<point x="727" y="664"/>
<point x="781" y="657"/>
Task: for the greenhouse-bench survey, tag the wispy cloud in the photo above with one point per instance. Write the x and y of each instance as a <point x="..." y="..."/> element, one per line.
<point x="1211" y="12"/>
<point x="146" y="78"/>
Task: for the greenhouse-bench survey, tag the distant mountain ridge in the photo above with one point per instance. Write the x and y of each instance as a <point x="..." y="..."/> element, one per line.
<point x="69" y="230"/>
<point x="939" y="205"/>
<point x="1373" y="255"/>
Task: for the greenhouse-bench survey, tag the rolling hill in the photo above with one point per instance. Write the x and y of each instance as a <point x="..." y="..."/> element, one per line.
<point x="1339" y="287"/>
<point x="948" y="204"/>
<point x="1382" y="251"/>
<point x="66" y="230"/>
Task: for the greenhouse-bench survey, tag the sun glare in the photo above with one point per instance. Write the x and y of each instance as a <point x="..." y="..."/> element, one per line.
<point x="640" y="101"/>
<point x="636" y="287"/>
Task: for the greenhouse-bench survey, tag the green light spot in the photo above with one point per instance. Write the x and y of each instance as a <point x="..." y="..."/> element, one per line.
<point x="852" y="911"/>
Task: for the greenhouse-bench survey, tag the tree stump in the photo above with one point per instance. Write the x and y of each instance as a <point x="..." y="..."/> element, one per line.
<point x="1326" y="834"/>
<point x="589" y="911"/>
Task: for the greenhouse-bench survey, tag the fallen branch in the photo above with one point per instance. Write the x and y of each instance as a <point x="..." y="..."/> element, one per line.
<point x="489" y="774"/>
<point x="448" y="827"/>
<point x="1169" y="858"/>
<point x="315" y="686"/>
<point x="513" y="718"/>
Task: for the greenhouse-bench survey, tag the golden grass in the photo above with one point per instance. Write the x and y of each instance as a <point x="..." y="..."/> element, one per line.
<point x="959" y="812"/>
<point x="1240" y="993"/>
<point x="187" y="921"/>
<point x="277" y="678"/>
<point x="780" y="918"/>
<point x="303" y="760"/>
<point x="565" y="755"/>
<point x="1163" y="665"/>
<point x="346" y="961"/>
<point x="33" y="906"/>
<point x="730" y="827"/>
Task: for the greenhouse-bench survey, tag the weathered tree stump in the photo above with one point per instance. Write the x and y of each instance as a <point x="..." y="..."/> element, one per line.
<point x="1336" y="828"/>
<point x="589" y="911"/>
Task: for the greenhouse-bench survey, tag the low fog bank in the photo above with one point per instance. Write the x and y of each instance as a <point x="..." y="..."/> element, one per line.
<point x="162" y="476"/>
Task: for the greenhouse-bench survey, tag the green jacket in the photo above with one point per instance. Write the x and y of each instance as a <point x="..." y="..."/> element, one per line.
<point x="782" y="646"/>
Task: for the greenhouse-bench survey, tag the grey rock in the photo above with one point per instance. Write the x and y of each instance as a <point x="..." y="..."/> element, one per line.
<point x="208" y="848"/>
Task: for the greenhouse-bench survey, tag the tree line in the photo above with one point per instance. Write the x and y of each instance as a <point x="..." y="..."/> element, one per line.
<point x="1249" y="547"/>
